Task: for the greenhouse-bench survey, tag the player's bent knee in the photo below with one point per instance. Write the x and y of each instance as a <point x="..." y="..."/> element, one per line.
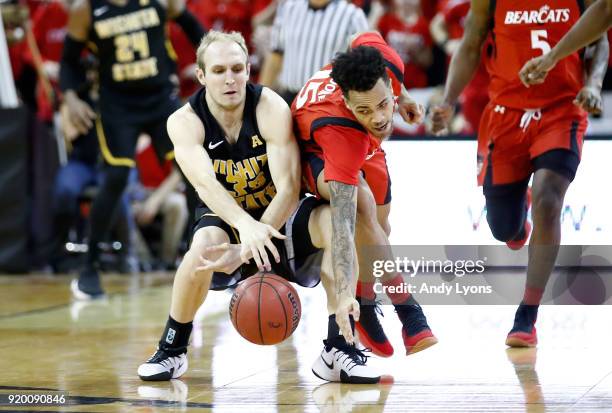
<point x="547" y="204"/>
<point x="320" y="227"/>
<point x="202" y="239"/>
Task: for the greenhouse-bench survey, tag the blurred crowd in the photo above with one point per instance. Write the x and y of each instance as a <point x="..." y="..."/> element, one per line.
<point x="150" y="232"/>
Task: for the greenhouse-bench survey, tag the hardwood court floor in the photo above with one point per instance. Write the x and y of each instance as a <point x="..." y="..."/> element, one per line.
<point x="91" y="351"/>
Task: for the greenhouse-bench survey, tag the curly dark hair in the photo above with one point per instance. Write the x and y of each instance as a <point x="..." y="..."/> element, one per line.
<point x="358" y="69"/>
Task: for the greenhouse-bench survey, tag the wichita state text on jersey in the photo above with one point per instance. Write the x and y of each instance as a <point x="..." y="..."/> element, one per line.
<point x="130" y="42"/>
<point x="242" y="167"/>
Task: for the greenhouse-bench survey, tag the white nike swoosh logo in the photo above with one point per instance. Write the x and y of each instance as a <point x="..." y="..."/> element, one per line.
<point x="211" y="146"/>
<point x="100" y="11"/>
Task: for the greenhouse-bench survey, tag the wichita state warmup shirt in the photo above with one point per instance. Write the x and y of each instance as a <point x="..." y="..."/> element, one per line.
<point x="242" y="167"/>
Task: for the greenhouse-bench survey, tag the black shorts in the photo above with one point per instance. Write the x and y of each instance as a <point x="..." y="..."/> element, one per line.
<point x="118" y="129"/>
<point x="300" y="261"/>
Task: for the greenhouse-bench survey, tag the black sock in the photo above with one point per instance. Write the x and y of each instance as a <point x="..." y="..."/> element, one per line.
<point x="410" y="304"/>
<point x="333" y="331"/>
<point x="176" y="336"/>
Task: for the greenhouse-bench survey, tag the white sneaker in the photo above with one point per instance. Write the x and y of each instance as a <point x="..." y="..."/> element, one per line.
<point x="345" y="364"/>
<point x="163" y="366"/>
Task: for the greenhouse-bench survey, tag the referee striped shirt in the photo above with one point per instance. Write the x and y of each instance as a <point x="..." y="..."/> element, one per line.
<point x="309" y="38"/>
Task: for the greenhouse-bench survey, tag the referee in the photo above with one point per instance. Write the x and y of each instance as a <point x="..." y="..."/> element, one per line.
<point x="305" y="37"/>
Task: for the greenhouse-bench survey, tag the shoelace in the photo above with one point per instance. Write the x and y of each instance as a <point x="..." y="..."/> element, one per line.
<point x="353" y="355"/>
<point x="161" y="356"/>
<point x="377" y="307"/>
<point x="528" y="116"/>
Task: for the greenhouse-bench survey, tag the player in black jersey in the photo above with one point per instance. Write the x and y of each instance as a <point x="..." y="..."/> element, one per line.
<point x="137" y="95"/>
<point x="234" y="143"/>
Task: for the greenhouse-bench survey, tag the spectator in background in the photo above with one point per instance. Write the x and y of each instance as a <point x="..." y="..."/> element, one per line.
<point x="49" y="27"/>
<point x="406" y="31"/>
<point x="220" y="15"/>
<point x="305" y="37"/>
<point x="447" y="30"/>
<point x="159" y="193"/>
<point x="430" y="8"/>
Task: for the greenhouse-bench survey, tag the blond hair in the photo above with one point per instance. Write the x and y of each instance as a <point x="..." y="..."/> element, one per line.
<point x="217" y="36"/>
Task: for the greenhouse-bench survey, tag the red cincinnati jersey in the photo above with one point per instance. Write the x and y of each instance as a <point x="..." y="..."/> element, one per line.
<point x="326" y="127"/>
<point x="523" y="29"/>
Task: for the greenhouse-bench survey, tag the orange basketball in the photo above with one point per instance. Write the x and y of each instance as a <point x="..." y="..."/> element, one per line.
<point x="265" y="309"/>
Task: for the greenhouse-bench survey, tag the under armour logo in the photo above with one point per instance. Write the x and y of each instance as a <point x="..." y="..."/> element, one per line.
<point x="170" y="336"/>
<point x="499" y="109"/>
<point x="256" y="141"/>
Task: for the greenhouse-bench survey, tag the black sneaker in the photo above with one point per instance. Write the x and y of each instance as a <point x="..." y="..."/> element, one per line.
<point x="523" y="333"/>
<point x="87" y="286"/>
<point x="416" y="333"/>
<point x="164" y="365"/>
<point x="371" y="333"/>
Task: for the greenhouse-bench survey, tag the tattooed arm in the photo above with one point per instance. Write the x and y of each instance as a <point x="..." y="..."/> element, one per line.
<point x="343" y="201"/>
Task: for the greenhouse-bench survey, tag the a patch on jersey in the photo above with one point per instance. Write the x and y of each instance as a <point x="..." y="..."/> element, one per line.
<point x="256" y="141"/>
<point x="542" y="16"/>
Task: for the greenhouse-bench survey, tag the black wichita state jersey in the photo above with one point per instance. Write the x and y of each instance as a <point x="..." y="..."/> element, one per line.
<point x="242" y="167"/>
<point x="131" y="45"/>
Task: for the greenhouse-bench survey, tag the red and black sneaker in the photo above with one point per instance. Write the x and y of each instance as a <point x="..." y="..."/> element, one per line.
<point x="518" y="244"/>
<point x="415" y="331"/>
<point x="371" y="333"/>
<point x="523" y="333"/>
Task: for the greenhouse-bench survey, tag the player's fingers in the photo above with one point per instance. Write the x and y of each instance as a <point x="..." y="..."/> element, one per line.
<point x="206" y="265"/>
<point x="90" y="112"/>
<point x="85" y="117"/>
<point x="265" y="261"/>
<point x="273" y="250"/>
<point x="257" y="258"/>
<point x="597" y="106"/>
<point x="355" y="311"/>
<point x="276" y="234"/>
<point x="79" y="124"/>
<point x="217" y="248"/>
<point x="524" y="76"/>
<point x="420" y="113"/>
<point x="244" y="253"/>
<point x="344" y="325"/>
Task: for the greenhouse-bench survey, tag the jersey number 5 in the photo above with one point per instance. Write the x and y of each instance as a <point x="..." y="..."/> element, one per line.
<point x="537" y="41"/>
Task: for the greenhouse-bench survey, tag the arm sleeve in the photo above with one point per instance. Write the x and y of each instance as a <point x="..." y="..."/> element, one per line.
<point x="344" y="151"/>
<point x="191" y="27"/>
<point x="72" y="73"/>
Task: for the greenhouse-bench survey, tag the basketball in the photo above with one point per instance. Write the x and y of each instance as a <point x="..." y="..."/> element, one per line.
<point x="265" y="309"/>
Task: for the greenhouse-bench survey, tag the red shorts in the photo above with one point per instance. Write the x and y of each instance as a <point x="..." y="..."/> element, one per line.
<point x="374" y="169"/>
<point x="509" y="139"/>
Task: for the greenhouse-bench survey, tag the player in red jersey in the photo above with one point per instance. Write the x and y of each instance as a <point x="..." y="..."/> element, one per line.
<point x="341" y="115"/>
<point x="524" y="131"/>
<point x="593" y="24"/>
